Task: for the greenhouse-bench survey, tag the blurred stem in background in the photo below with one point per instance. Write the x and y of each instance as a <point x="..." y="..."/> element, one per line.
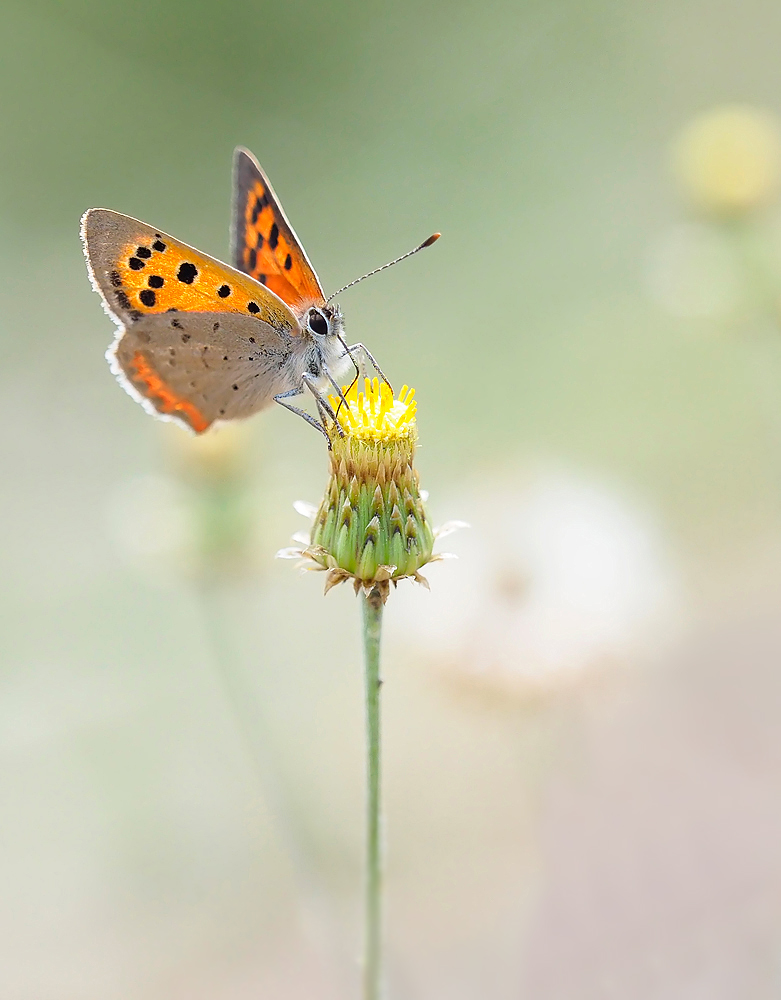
<point x="761" y="273"/>
<point x="252" y="729"/>
<point x="727" y="164"/>
<point x="211" y="469"/>
<point x="372" y="630"/>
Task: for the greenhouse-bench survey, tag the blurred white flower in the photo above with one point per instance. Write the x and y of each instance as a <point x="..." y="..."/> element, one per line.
<point x="693" y="272"/>
<point x="556" y="578"/>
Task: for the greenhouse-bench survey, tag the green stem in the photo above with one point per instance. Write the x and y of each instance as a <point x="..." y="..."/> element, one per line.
<point x="372" y="629"/>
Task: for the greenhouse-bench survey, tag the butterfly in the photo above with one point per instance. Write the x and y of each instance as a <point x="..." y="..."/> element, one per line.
<point x="200" y="341"/>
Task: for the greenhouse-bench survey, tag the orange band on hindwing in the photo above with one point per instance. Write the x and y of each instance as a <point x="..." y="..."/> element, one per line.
<point x="155" y="389"/>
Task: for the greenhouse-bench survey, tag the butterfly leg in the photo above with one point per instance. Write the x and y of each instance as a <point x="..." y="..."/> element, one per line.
<point x="335" y="387"/>
<point x="324" y="408"/>
<point x="365" y="354"/>
<point x="339" y="393"/>
<point x="298" y="391"/>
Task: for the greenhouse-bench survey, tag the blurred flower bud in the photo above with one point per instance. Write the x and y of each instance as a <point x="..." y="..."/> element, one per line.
<point x="218" y="456"/>
<point x="197" y="519"/>
<point x="728" y="160"/>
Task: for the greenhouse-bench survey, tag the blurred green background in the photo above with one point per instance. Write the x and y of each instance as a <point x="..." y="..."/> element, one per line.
<point x="580" y="360"/>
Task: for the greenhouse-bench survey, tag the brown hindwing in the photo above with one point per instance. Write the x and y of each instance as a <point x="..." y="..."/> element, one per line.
<point x="200" y="367"/>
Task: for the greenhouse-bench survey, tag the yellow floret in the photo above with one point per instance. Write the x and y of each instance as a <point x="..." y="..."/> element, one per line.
<point x="373" y="414"/>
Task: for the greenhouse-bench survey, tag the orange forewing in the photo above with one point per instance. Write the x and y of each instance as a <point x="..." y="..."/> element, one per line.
<point x="265" y="245"/>
<point x="158" y="274"/>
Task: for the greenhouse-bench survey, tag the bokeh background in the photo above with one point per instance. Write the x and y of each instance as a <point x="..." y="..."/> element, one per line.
<point x="583" y="761"/>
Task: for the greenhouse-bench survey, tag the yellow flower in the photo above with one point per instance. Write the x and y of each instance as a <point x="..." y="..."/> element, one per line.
<point x="371" y="526"/>
<point x="728" y="160"/>
<point x="374" y="415"/>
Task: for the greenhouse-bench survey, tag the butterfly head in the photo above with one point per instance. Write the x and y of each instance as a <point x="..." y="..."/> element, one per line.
<point x="323" y="322"/>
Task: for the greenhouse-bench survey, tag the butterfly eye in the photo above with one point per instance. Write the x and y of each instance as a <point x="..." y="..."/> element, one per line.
<point x="318" y="323"/>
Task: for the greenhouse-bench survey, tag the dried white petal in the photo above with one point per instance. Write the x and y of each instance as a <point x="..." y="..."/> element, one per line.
<point x="290" y="553"/>
<point x="305" y="509"/>
<point x="449" y="527"/>
<point x="440" y="556"/>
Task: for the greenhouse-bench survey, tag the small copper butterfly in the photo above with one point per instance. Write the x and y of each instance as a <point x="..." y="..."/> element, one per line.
<point x="200" y="341"/>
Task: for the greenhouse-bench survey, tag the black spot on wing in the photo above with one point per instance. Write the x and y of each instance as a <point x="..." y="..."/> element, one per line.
<point x="224" y="291"/>
<point x="148" y="297"/>
<point x="122" y="299"/>
<point x="155" y="281"/>
<point x="158" y="245"/>
<point x="187" y="273"/>
<point x="288" y="262"/>
<point x="252" y="260"/>
<point x="253" y="307"/>
<point x="135" y="264"/>
<point x="273" y="236"/>
<point x="144" y="252"/>
<point x="115" y="279"/>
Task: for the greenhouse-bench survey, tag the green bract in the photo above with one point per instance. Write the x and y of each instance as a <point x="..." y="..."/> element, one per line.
<point x="372" y="516"/>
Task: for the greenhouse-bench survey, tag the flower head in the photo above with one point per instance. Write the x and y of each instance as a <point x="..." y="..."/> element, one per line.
<point x="371" y="526"/>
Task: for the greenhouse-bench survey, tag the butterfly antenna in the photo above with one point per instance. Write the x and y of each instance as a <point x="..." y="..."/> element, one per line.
<point x="426" y="243"/>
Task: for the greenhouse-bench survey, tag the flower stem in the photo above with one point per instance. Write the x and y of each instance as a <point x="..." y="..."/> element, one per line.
<point x="372" y="629"/>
